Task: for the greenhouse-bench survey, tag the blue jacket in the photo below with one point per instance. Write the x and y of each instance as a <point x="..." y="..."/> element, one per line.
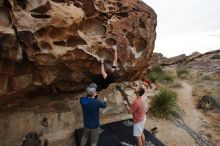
<point x="90" y="107"/>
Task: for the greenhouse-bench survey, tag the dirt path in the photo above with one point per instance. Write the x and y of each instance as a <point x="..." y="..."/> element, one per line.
<point x="191" y="115"/>
<point x="171" y="135"/>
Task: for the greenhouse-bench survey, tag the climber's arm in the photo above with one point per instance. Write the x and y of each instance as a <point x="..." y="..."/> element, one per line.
<point x="104" y="74"/>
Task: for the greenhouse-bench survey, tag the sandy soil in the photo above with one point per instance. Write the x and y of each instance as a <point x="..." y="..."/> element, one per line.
<point x="171" y="135"/>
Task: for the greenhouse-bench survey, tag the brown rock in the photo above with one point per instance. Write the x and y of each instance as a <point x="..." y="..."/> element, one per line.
<point x="206" y="64"/>
<point x="174" y="60"/>
<point x="193" y="56"/>
<point x="207" y="102"/>
<point x="61" y="42"/>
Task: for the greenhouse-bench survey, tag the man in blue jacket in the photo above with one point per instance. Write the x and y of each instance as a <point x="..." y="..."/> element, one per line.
<point x="90" y="107"/>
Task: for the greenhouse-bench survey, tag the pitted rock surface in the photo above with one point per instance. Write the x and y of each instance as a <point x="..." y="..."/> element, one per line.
<point x="60" y="42"/>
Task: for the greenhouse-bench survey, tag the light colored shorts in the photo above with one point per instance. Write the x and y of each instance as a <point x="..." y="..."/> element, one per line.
<point x="138" y="128"/>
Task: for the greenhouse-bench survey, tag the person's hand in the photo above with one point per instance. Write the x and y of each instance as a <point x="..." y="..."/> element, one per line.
<point x="125" y="102"/>
<point x="96" y="94"/>
<point x="105" y="99"/>
<point x="102" y="60"/>
<point x="114" y="47"/>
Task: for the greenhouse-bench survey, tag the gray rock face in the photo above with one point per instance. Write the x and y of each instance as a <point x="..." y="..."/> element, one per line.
<point x="60" y="43"/>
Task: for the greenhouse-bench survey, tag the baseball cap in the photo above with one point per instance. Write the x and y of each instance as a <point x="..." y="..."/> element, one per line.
<point x="91" y="91"/>
<point x="92" y="85"/>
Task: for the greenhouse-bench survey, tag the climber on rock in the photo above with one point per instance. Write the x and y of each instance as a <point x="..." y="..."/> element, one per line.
<point x="107" y="77"/>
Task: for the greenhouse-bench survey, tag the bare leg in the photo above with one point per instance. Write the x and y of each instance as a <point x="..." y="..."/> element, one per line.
<point x="104" y="74"/>
<point x="143" y="139"/>
<point x="139" y="142"/>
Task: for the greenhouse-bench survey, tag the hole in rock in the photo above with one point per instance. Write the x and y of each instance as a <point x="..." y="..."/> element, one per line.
<point x="78" y="5"/>
<point x="140" y="44"/>
<point x="137" y="42"/>
<point x="26" y="37"/>
<point x="5" y="18"/>
<point x="36" y="47"/>
<point x="37" y="15"/>
<point x="73" y="28"/>
<point x="6" y="4"/>
<point x="141" y="23"/>
<point x="119" y="4"/>
<point x="42" y="32"/>
<point x="59" y="43"/>
<point x="110" y="41"/>
<point x="92" y="27"/>
<point x="75" y="40"/>
<point x="45" y="45"/>
<point x="46" y="143"/>
<point x="125" y="9"/>
<point x="124" y="30"/>
<point x="59" y="1"/>
<point x="42" y="9"/>
<point x="45" y="122"/>
<point x="111" y="8"/>
<point x="22" y="3"/>
<point x="88" y="7"/>
<point x="101" y="14"/>
<point x="130" y="39"/>
<point x="8" y="41"/>
<point x="123" y="14"/>
<point x="56" y="32"/>
<point x="136" y="9"/>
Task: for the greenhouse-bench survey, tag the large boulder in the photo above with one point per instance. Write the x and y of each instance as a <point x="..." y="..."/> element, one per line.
<point x="60" y="42"/>
<point x="207" y="102"/>
<point x="174" y="60"/>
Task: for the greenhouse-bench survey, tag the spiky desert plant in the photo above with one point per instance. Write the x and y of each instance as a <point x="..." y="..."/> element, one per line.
<point x="163" y="104"/>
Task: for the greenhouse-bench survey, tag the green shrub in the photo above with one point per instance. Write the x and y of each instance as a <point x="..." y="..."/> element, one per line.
<point x="157" y="74"/>
<point x="154" y="76"/>
<point x="167" y="78"/>
<point x="181" y="70"/>
<point x="157" y="68"/>
<point x="163" y="104"/>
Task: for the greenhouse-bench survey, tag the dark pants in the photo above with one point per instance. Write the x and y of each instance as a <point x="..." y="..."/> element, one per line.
<point x="94" y="133"/>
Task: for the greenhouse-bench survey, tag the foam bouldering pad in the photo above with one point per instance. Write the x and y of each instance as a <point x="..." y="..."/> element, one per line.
<point x="118" y="134"/>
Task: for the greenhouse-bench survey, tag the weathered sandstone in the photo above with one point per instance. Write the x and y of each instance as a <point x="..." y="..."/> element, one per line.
<point x="59" y="43"/>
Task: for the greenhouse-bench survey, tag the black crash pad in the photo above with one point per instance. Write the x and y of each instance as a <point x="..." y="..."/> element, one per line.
<point x="118" y="134"/>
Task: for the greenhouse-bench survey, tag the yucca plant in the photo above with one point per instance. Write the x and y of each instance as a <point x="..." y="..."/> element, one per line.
<point x="163" y="104"/>
<point x="181" y="70"/>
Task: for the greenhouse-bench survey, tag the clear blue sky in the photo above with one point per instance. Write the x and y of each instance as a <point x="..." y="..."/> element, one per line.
<point x="185" y="26"/>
